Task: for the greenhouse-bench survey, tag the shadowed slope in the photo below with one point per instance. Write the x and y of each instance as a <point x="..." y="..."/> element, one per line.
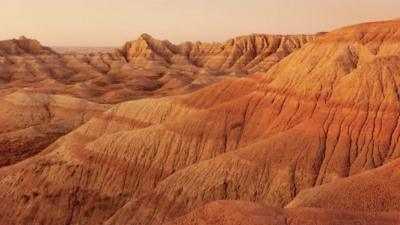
<point x="32" y="121"/>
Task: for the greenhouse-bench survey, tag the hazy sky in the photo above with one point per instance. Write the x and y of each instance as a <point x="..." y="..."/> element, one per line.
<point x="112" y="22"/>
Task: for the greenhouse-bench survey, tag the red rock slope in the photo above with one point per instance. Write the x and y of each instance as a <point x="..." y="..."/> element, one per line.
<point x="239" y="213"/>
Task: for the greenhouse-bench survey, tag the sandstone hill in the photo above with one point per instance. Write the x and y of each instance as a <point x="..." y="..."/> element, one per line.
<point x="317" y="128"/>
<point x="23" y="46"/>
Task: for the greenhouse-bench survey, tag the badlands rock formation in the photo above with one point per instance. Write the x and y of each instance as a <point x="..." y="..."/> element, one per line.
<point x="31" y="75"/>
<point x="326" y="112"/>
<point x="279" y="121"/>
<point x="246" y="53"/>
<point x="238" y="213"/>
<point x="22" y="46"/>
<point x="142" y="68"/>
<point x="31" y="121"/>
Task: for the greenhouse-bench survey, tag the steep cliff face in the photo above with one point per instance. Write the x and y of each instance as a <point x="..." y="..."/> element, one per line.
<point x="325" y="112"/>
<point x="246" y="53"/>
<point x="146" y="67"/>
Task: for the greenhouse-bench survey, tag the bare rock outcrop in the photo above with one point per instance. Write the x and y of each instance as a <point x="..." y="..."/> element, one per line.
<point x="238" y="213"/>
<point x="372" y="191"/>
<point x="247" y="53"/>
<point x="146" y="67"/>
<point x="23" y="46"/>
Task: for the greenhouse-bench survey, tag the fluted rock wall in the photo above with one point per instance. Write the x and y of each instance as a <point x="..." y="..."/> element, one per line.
<point x="246" y="53"/>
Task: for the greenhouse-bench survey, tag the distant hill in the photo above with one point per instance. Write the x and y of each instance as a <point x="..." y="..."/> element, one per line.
<point x="77" y="49"/>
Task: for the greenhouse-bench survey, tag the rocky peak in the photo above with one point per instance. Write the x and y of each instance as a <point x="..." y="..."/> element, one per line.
<point x="236" y="53"/>
<point x="23" y="45"/>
